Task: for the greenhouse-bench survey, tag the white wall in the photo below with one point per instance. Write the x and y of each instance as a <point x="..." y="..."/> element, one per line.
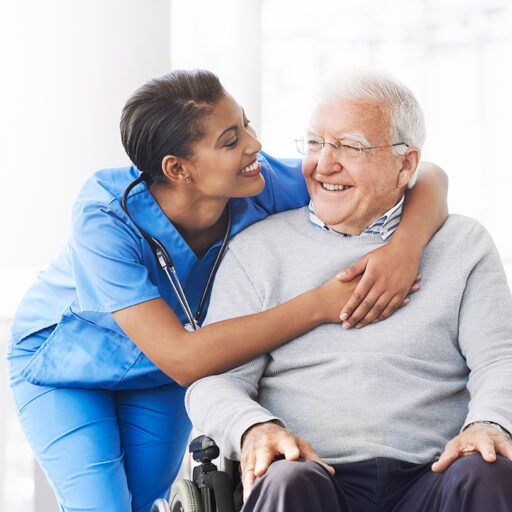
<point x="451" y="54"/>
<point x="68" y="67"/>
<point x="225" y="37"/>
<point x="71" y="66"/>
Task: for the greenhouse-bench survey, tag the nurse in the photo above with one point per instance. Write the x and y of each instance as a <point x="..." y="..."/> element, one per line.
<point x="98" y="352"/>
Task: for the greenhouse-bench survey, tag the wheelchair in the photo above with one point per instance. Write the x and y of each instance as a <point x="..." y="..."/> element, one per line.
<point x="210" y="489"/>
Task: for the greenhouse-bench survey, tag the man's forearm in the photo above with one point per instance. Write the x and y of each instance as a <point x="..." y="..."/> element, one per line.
<point x="485" y="331"/>
<point x="224" y="407"/>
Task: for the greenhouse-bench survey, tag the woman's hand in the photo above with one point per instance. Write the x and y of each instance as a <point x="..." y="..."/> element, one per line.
<point x="331" y="295"/>
<point x="390" y="273"/>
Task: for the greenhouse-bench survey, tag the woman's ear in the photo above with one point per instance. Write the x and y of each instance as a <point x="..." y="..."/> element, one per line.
<point x="409" y="165"/>
<point x="173" y="169"/>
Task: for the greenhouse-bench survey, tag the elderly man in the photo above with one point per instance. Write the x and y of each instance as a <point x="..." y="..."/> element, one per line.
<point x="379" y="405"/>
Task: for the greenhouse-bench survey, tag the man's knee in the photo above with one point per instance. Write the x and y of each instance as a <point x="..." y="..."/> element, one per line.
<point x="298" y="485"/>
<point x="472" y="470"/>
<point x="295" y="475"/>
<point x="472" y="479"/>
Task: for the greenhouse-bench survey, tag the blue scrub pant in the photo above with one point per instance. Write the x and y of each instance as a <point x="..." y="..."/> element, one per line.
<point x="384" y="485"/>
<point x="102" y="451"/>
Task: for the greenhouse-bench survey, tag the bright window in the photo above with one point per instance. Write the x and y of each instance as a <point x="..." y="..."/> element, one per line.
<point x="454" y="56"/>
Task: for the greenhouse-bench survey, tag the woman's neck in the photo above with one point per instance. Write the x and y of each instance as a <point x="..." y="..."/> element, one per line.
<point x="200" y="221"/>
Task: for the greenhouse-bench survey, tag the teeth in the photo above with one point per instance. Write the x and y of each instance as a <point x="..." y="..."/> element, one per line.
<point x="328" y="186"/>
<point x="250" y="168"/>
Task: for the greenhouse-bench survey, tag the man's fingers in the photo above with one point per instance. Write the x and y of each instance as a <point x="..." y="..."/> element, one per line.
<point x="485" y="445"/>
<point x="255" y="465"/>
<point x="308" y="453"/>
<point x="504" y="447"/>
<point x="443" y="462"/>
<point x="247" y="461"/>
<point x="264" y="457"/>
<point x="285" y="445"/>
<point x="451" y="453"/>
<point x="248" y="478"/>
<point x="487" y="441"/>
<point x="288" y="447"/>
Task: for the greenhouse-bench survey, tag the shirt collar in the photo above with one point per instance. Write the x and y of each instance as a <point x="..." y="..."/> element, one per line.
<point x="384" y="226"/>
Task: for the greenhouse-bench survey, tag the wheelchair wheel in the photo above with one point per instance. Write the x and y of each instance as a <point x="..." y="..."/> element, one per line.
<point x="160" y="505"/>
<point x="184" y="497"/>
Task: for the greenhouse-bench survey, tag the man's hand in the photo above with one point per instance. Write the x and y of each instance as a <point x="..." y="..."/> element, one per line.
<point x="478" y="437"/>
<point x="265" y="441"/>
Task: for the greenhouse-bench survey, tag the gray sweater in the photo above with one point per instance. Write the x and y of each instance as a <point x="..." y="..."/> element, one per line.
<point x="400" y="388"/>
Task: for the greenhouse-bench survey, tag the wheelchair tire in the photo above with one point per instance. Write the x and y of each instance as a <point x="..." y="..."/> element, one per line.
<point x="184" y="497"/>
<point x="160" y="505"/>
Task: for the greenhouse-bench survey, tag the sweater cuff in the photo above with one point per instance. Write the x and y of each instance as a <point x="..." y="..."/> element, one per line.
<point x="493" y="423"/>
<point x="234" y="443"/>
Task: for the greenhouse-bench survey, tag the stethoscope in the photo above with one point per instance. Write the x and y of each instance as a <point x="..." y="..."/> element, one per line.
<point x="165" y="261"/>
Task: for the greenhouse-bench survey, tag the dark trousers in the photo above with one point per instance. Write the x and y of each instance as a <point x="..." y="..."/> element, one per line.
<point x="384" y="485"/>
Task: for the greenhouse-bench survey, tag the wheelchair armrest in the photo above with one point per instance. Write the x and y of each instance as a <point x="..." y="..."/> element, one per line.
<point x="203" y="449"/>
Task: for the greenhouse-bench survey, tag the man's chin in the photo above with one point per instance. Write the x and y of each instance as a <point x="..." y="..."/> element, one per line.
<point x="339" y="223"/>
<point x="346" y="229"/>
<point x="329" y="217"/>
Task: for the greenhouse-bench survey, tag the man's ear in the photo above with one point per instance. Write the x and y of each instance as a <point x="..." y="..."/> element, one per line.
<point x="409" y="165"/>
<point x="173" y="169"/>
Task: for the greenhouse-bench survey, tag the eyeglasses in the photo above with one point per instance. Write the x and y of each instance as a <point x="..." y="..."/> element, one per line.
<point x="309" y="146"/>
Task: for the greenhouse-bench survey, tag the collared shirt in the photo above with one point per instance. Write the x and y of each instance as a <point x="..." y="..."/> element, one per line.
<point x="384" y="226"/>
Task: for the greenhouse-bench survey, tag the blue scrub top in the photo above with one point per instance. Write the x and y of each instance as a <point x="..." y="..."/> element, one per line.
<point x="106" y="265"/>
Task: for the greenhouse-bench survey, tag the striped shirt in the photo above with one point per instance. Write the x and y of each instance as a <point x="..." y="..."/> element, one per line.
<point x="384" y="226"/>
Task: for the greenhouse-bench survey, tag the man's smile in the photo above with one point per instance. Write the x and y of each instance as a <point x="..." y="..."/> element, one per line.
<point x="334" y="187"/>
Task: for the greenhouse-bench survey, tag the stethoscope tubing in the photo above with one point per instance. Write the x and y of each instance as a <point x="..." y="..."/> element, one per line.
<point x="164" y="260"/>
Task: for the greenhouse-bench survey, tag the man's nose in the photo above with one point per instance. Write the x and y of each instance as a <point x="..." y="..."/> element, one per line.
<point x="328" y="161"/>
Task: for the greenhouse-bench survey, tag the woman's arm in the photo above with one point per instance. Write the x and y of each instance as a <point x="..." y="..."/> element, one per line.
<point x="391" y="270"/>
<point x="187" y="356"/>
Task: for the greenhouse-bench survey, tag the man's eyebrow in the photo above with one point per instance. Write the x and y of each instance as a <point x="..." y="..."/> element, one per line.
<point x="356" y="137"/>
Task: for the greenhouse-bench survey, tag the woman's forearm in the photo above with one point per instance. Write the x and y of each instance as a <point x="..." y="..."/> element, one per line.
<point x="255" y="334"/>
<point x="238" y="340"/>
<point x="187" y="356"/>
<point x="425" y="208"/>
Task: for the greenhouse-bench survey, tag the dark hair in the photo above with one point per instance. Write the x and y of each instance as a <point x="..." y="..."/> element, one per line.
<point x="163" y="117"/>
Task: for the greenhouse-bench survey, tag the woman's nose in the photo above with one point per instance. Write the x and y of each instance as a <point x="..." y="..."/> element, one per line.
<point x="253" y="145"/>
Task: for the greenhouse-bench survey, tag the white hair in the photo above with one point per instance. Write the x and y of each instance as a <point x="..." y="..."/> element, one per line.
<point x="407" y="121"/>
